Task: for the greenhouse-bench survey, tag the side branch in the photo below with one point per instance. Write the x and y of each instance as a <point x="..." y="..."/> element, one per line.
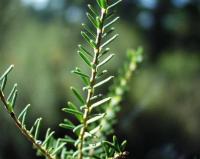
<point x="24" y="131"/>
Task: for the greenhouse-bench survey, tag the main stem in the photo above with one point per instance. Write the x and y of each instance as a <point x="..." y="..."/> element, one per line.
<point x="90" y="93"/>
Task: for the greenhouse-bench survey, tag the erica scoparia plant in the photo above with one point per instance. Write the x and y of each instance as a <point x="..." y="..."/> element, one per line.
<point x="95" y="113"/>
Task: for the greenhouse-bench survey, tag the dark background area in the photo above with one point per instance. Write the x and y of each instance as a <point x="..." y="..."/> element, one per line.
<point x="160" y="115"/>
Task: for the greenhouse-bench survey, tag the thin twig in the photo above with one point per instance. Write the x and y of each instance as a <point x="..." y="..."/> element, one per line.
<point x="24" y="131"/>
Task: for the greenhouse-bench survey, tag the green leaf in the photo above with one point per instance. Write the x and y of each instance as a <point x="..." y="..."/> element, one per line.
<point x="23" y="111"/>
<point x="86" y="80"/>
<point x="6" y="72"/>
<point x="109" y="32"/>
<point x="67" y="126"/>
<point x="85" y="59"/>
<point x="78" y="115"/>
<point x="92" y="146"/>
<point x="97" y="96"/>
<point x="11" y="94"/>
<point x="80" y="74"/>
<point x="111" y="152"/>
<point x="83" y="107"/>
<point x="102" y="3"/>
<point x="109" y="144"/>
<point x="104" y="52"/>
<point x="116" y="144"/>
<point x="23" y="119"/>
<point x="77" y="128"/>
<point x="67" y="139"/>
<point x="110" y="15"/>
<point x="38" y="123"/>
<point x="75" y="144"/>
<point x="47" y="140"/>
<point x="58" y="142"/>
<point x="92" y="10"/>
<point x="56" y="150"/>
<point x="114" y="4"/>
<point x="106" y="149"/>
<point x="48" y="137"/>
<point x="72" y="111"/>
<point x="84" y="51"/>
<point x="86" y="88"/>
<point x="99" y="103"/>
<point x="109" y="41"/>
<point x="34" y="126"/>
<point x="63" y="153"/>
<point x="3" y="84"/>
<point x="78" y="96"/>
<point x="72" y="106"/>
<point x="106" y="60"/>
<point x="95" y="130"/>
<point x="66" y="153"/>
<point x="88" y="135"/>
<point x="14" y="97"/>
<point x="88" y="39"/>
<point x="96" y="118"/>
<point x="93" y="20"/>
<point x="88" y="30"/>
<point x="111" y="22"/>
<point x="123" y="145"/>
<point x="103" y="82"/>
<point x="102" y="73"/>
<point x="67" y="121"/>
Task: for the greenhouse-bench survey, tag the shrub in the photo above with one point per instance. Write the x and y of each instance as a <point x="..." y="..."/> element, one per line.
<point x="94" y="113"/>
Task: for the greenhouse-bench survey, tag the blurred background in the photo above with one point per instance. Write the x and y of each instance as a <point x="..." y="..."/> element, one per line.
<point x="160" y="115"/>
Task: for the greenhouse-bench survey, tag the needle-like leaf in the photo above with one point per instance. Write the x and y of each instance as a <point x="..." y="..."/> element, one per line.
<point x="92" y="10"/>
<point x="37" y="128"/>
<point x="111" y="22"/>
<point x="67" y="126"/>
<point x="3" y="84"/>
<point x="12" y="93"/>
<point x="78" y="96"/>
<point x="80" y="74"/>
<point x="48" y="137"/>
<point x="58" y="148"/>
<point x="85" y="58"/>
<point x="109" y="41"/>
<point x="72" y="111"/>
<point x="7" y="72"/>
<point x="106" y="60"/>
<point x="88" y="30"/>
<point x="23" y="111"/>
<point x="14" y="97"/>
<point x="99" y="103"/>
<point x="93" y="20"/>
<point x="82" y="49"/>
<point x="114" y="4"/>
<point x="95" y="118"/>
<point x="103" y="82"/>
<point x="88" y="39"/>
